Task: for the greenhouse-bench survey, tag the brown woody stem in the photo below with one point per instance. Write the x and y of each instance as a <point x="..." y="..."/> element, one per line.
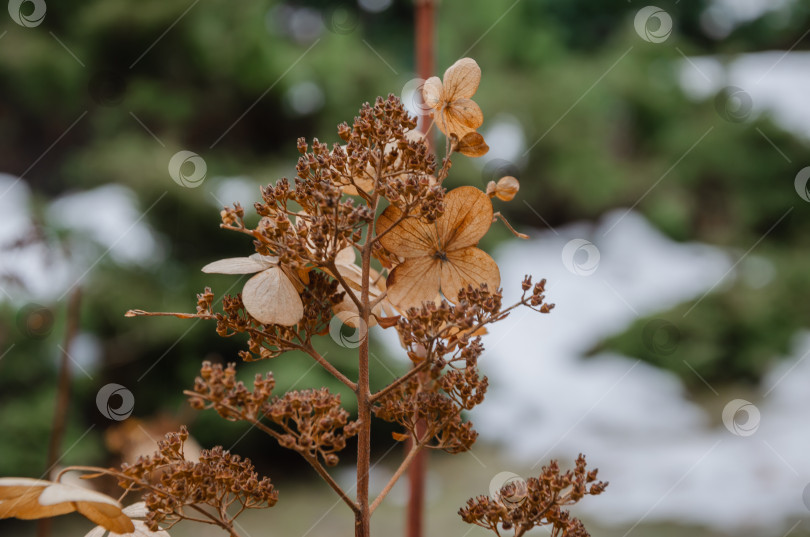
<point x="313" y="461"/>
<point x="329" y="367"/>
<point x="515" y="232"/>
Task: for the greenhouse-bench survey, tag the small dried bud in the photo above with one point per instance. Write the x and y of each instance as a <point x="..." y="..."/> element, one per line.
<point x="505" y="189"/>
<point x="472" y="145"/>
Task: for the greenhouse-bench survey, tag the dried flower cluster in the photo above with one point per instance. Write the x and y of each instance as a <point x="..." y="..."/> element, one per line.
<point x="364" y="234"/>
<point x="539" y="501"/>
<point x="178" y="489"/>
<point x="444" y="344"/>
<point x="311" y="422"/>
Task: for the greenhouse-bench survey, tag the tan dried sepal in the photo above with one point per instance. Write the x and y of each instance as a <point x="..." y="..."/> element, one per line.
<point x="472" y="145"/>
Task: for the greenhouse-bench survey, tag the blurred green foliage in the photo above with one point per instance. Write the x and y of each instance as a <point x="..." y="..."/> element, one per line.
<point x="603" y="107"/>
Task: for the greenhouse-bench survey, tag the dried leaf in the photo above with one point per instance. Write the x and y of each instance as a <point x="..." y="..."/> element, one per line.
<point x="400" y="437"/>
<point x="472" y="145"/>
<point x="271" y="298"/>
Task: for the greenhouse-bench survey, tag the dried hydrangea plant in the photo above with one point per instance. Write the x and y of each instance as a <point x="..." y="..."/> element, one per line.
<point x="378" y="197"/>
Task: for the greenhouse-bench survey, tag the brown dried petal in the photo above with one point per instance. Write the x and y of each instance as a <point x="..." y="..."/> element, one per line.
<point x="414" y="281"/>
<point x="472" y="145"/>
<point x="411" y="238"/>
<point x="467" y="217"/>
<point x="468" y="266"/>
<point x="507" y="188"/>
<point x="461" y="79"/>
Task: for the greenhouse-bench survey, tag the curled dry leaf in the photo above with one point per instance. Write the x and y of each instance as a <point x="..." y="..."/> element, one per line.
<point x="505" y="189"/>
<point x="472" y="145"/>
<point x="30" y="499"/>
<point x="442" y="255"/>
<point x="271" y="296"/>
<point x="453" y="109"/>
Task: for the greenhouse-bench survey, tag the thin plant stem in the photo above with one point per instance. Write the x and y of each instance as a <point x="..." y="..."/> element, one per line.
<point x="425" y="66"/>
<point x="60" y="414"/>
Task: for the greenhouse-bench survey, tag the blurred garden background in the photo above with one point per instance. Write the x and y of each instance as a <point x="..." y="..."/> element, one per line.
<point x="662" y="154"/>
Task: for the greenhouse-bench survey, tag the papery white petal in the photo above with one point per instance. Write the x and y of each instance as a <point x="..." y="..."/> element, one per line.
<point x="271" y="298"/>
<point x="98" y="531"/>
<point x="346" y="256"/>
<point x="23" y="482"/>
<point x="136" y="510"/>
<point x="60" y="493"/>
<point x="236" y="265"/>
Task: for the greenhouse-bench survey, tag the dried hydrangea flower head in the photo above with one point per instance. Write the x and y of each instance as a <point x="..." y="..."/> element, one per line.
<point x="538" y="501"/>
<point x="365" y="234"/>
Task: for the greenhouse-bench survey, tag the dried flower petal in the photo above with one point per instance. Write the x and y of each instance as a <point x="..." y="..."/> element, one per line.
<point x="472" y="145"/>
<point x="453" y="110"/>
<point x="241" y="265"/>
<point x="461" y="79"/>
<point x="272" y="295"/>
<point x="442" y="254"/>
<point x="34" y="498"/>
<point x="271" y="298"/>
